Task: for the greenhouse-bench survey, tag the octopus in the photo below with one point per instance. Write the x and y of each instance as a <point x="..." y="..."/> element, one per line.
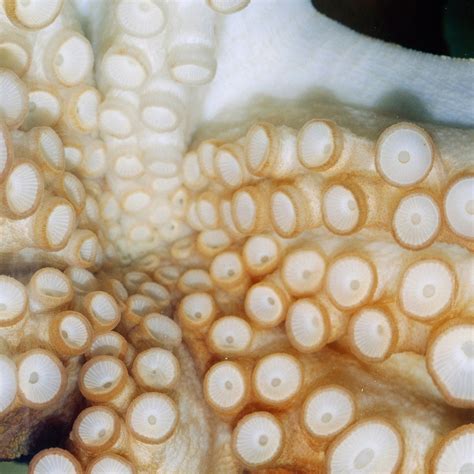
<point x="234" y="237"/>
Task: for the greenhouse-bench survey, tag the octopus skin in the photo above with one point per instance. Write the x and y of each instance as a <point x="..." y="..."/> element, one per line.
<point x="206" y="268"/>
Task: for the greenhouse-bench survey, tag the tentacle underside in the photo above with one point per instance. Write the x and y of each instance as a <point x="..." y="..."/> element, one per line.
<point x="205" y="269"/>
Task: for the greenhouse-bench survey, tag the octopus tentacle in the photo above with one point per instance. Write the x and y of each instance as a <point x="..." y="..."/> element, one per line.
<point x="222" y="290"/>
